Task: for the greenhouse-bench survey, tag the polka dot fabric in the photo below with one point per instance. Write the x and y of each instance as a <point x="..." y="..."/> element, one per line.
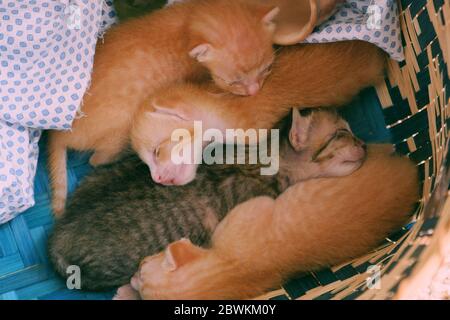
<point x="375" y="21"/>
<point x="46" y="58"/>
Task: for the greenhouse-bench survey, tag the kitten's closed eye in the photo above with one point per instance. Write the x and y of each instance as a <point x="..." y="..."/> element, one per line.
<point x="234" y="83"/>
<point x="229" y="83"/>
<point x="267" y="70"/>
<point x="342" y="138"/>
<point x="157" y="152"/>
<point x="248" y="84"/>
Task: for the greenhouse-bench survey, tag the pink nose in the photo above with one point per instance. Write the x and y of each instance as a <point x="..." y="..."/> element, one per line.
<point x="164" y="181"/>
<point x="253" y="89"/>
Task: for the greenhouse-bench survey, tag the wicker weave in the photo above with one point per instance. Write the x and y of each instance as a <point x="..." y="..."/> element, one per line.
<point x="415" y="104"/>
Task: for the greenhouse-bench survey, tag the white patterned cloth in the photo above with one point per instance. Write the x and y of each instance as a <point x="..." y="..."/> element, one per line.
<point x="46" y="58"/>
<point x="375" y="21"/>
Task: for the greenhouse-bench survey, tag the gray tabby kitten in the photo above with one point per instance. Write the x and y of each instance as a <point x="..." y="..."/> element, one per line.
<point x="119" y="215"/>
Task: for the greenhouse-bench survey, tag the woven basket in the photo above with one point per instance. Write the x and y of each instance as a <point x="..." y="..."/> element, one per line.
<point x="415" y="100"/>
<point x="412" y="109"/>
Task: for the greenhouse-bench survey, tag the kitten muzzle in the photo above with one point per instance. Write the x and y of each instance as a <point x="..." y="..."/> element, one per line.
<point x="253" y="89"/>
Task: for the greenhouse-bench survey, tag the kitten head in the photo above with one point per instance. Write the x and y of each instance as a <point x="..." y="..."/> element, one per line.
<point x="151" y="138"/>
<point x="233" y="39"/>
<point x="156" y="272"/>
<point x="320" y="144"/>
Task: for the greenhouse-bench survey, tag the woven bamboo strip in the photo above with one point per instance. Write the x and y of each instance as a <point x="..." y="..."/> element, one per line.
<point x="360" y="261"/>
<point x="357" y="281"/>
<point x="441" y="24"/>
<point x="416" y="25"/>
<point x="391" y="278"/>
<point x="273" y="294"/>
<point x="408" y="31"/>
<point x="446" y="27"/>
<point x="332" y="288"/>
<point x="410" y="93"/>
<point x="431" y="259"/>
<point x="426" y="190"/>
<point x="411" y="144"/>
<point x="432" y="128"/>
<point x="393" y="72"/>
<point x="383" y="95"/>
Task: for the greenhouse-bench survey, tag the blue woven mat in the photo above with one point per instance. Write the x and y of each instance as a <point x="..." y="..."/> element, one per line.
<point x="25" y="272"/>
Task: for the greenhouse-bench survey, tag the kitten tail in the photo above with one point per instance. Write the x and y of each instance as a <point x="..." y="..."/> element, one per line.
<point x="57" y="154"/>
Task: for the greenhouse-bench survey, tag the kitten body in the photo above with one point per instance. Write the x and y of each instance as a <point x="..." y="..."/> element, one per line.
<point x="119" y="215"/>
<point x="305" y="76"/>
<point x="263" y="242"/>
<point x="178" y="43"/>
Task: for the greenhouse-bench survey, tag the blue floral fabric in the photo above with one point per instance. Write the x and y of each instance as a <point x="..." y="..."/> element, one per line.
<point x="46" y="58"/>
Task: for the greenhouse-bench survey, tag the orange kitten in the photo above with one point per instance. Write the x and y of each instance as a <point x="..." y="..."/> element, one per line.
<point x="231" y="39"/>
<point x="304" y="76"/>
<point x="263" y="242"/>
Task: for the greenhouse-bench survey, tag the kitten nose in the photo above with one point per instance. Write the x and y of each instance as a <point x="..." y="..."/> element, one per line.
<point x="360" y="143"/>
<point x="164" y="181"/>
<point x="253" y="89"/>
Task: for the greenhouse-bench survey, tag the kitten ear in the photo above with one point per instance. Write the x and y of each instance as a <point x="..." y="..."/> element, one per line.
<point x="327" y="8"/>
<point x="270" y="16"/>
<point x="161" y="115"/>
<point x="202" y="52"/>
<point x="180" y="253"/>
<point x="162" y="112"/>
<point x="298" y="135"/>
<point x="296" y="21"/>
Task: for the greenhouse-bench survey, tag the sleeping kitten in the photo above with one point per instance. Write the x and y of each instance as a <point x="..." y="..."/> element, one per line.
<point x="231" y="39"/>
<point x="118" y="215"/>
<point x="262" y="242"/>
<point x="305" y="76"/>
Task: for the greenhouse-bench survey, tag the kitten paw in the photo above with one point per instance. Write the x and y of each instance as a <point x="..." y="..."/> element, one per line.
<point x="100" y="158"/>
<point x="58" y="209"/>
<point x="126" y="293"/>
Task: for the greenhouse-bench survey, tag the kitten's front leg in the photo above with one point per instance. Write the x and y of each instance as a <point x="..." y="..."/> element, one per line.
<point x="108" y="153"/>
<point x="187" y="272"/>
<point x="102" y="157"/>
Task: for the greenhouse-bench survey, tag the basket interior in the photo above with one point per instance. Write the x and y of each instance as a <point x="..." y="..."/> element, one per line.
<point x="411" y="110"/>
